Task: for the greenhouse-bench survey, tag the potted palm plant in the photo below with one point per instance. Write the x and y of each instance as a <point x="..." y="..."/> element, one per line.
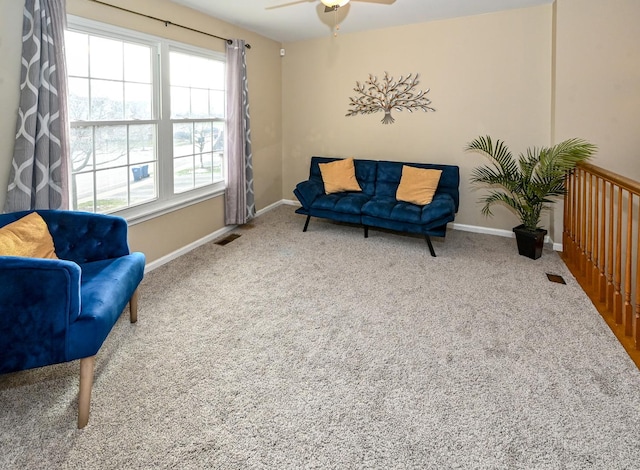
<point x="529" y="184"/>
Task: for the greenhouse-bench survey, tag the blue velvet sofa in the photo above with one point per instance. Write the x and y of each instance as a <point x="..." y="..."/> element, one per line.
<point x="376" y="205"/>
<point x="60" y="310"/>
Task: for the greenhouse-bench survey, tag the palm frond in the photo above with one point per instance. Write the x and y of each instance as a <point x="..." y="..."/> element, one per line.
<point x="563" y="157"/>
<point x="496" y="196"/>
<point x="499" y="154"/>
<point x="529" y="184"/>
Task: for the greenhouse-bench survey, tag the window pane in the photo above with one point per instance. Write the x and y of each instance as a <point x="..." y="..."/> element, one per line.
<point x="197" y="86"/>
<point x="218" y="134"/>
<point x="216" y="104"/>
<point x="106" y="100"/>
<point x="143" y="183"/>
<point x="205" y="68"/>
<point x="217" y="75"/>
<point x="137" y="63"/>
<point x="180" y="69"/>
<point x="142" y="144"/>
<point x="111" y="189"/>
<point x="182" y="140"/>
<point x="199" y="103"/>
<point x="82" y="192"/>
<point x="183" y="169"/>
<point x="203" y="171"/>
<point x="111" y="146"/>
<point x="78" y="99"/>
<point x="217" y="169"/>
<point x="137" y="101"/>
<point x="202" y="135"/>
<point x="180" y="102"/>
<point x="106" y="58"/>
<point x="81" y="139"/>
<point x="77" y="53"/>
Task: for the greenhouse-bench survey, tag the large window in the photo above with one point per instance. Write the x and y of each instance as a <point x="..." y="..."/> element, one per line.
<point x="147" y="121"/>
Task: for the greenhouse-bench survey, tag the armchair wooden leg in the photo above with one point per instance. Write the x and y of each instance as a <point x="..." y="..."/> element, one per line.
<point x="86" y="383"/>
<point x="133" y="307"/>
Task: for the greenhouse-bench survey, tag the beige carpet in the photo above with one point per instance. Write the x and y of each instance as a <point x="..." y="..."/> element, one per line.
<point x="290" y="350"/>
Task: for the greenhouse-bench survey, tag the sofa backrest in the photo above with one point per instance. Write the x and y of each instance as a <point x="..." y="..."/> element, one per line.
<point x="81" y="237"/>
<point x="365" y="172"/>
<point x="381" y="178"/>
<point x="389" y="174"/>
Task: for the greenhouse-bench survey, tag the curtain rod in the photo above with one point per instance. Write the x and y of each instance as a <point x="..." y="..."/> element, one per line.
<point x="167" y="22"/>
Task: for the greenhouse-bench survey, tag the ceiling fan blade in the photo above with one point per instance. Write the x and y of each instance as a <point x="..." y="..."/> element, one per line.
<point x="282" y="5"/>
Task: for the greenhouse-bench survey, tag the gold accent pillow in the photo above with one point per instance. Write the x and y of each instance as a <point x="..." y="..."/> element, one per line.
<point x="418" y="185"/>
<point x="339" y="176"/>
<point x="27" y="237"/>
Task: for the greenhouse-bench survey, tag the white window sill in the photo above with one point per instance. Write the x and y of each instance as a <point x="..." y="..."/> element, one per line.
<point x="151" y="210"/>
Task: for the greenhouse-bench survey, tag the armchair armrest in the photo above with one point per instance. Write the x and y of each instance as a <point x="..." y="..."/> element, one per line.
<point x="308" y="191"/>
<point x="39" y="298"/>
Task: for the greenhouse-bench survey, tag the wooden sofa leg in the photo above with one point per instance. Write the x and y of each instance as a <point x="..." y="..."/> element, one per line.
<point x="366" y="231"/>
<point x="133" y="307"/>
<point x="86" y="383"/>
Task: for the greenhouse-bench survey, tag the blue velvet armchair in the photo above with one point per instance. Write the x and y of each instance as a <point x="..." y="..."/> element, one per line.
<point x="60" y="310"/>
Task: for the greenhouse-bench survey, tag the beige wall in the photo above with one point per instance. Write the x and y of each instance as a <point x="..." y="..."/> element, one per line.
<point x="165" y="234"/>
<point x="488" y="74"/>
<point x="597" y="81"/>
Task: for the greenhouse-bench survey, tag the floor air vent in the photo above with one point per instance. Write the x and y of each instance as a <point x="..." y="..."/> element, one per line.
<point x="228" y="239"/>
<point x="556" y="278"/>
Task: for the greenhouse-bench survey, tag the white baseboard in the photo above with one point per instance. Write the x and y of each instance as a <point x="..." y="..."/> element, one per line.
<point x="269" y="208"/>
<point x="289" y="202"/>
<point x="212" y="236"/>
<point x="498" y="232"/>
<point x="485" y="230"/>
<point x="187" y="248"/>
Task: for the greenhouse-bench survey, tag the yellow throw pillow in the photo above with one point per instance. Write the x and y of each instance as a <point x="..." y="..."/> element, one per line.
<point x="418" y="185"/>
<point x="339" y="176"/>
<point x="28" y="237"/>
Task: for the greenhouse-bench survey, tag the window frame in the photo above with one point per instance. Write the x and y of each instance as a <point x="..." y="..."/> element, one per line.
<point x="167" y="201"/>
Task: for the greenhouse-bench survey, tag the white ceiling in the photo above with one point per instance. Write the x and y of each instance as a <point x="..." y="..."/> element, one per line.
<point x="308" y="20"/>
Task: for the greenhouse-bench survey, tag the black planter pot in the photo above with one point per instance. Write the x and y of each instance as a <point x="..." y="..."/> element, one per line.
<point x="530" y="242"/>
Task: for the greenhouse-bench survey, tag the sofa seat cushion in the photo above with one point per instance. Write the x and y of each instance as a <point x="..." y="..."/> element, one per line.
<point x="106" y="287"/>
<point x="441" y="208"/>
<point x="345" y="203"/>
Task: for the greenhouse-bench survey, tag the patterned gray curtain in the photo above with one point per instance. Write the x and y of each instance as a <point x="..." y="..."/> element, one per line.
<point x="239" y="198"/>
<point x="38" y="178"/>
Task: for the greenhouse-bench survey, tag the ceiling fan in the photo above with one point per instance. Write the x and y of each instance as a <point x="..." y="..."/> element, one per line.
<point x="332" y="5"/>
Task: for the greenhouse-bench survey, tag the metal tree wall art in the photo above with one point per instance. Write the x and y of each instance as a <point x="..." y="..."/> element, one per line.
<point x="385" y="95"/>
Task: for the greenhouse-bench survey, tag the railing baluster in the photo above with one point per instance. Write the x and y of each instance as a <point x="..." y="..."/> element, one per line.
<point x="566" y="215"/>
<point x="617" y="280"/>
<point x="610" y="259"/>
<point x="627" y="272"/>
<point x="577" y="212"/>
<point x="636" y="335"/>
<point x="583" y="227"/>
<point x="602" y="283"/>
<point x="589" y="241"/>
